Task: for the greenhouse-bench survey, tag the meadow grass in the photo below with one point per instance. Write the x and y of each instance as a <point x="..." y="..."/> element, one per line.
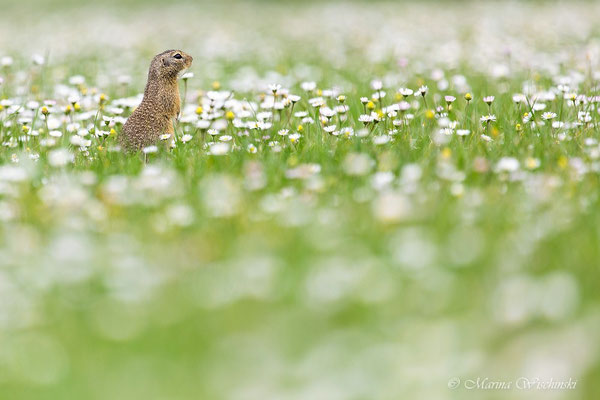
<point x="292" y="243"/>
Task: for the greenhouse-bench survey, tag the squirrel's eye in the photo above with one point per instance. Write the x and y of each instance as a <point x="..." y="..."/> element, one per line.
<point x="177" y="56"/>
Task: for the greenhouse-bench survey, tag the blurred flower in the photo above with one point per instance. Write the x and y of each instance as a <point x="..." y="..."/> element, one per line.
<point x="218" y="148"/>
<point x="357" y="164"/>
<point x="60" y="157"/>
<point x="507" y="164"/>
<point x="405" y="92"/>
<point x="150" y="149"/>
<point x="488" y="118"/>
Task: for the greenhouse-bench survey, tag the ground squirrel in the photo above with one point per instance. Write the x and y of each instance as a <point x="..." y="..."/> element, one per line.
<point x="161" y="103"/>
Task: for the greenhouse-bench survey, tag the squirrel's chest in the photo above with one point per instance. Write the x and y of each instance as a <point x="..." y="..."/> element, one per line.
<point x="169" y="101"/>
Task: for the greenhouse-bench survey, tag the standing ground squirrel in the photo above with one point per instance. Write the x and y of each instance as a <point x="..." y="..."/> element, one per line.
<point x="161" y="103"/>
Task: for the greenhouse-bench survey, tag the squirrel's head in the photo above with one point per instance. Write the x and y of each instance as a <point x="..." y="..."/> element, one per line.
<point x="170" y="63"/>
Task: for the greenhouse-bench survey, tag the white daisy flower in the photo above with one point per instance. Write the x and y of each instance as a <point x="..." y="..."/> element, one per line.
<point x="405" y="92"/>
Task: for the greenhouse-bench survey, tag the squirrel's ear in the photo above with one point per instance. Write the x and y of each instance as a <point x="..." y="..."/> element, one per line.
<point x="165" y="61"/>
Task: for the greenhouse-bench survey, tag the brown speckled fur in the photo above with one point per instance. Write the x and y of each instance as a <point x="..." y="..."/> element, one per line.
<point x="160" y="105"/>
